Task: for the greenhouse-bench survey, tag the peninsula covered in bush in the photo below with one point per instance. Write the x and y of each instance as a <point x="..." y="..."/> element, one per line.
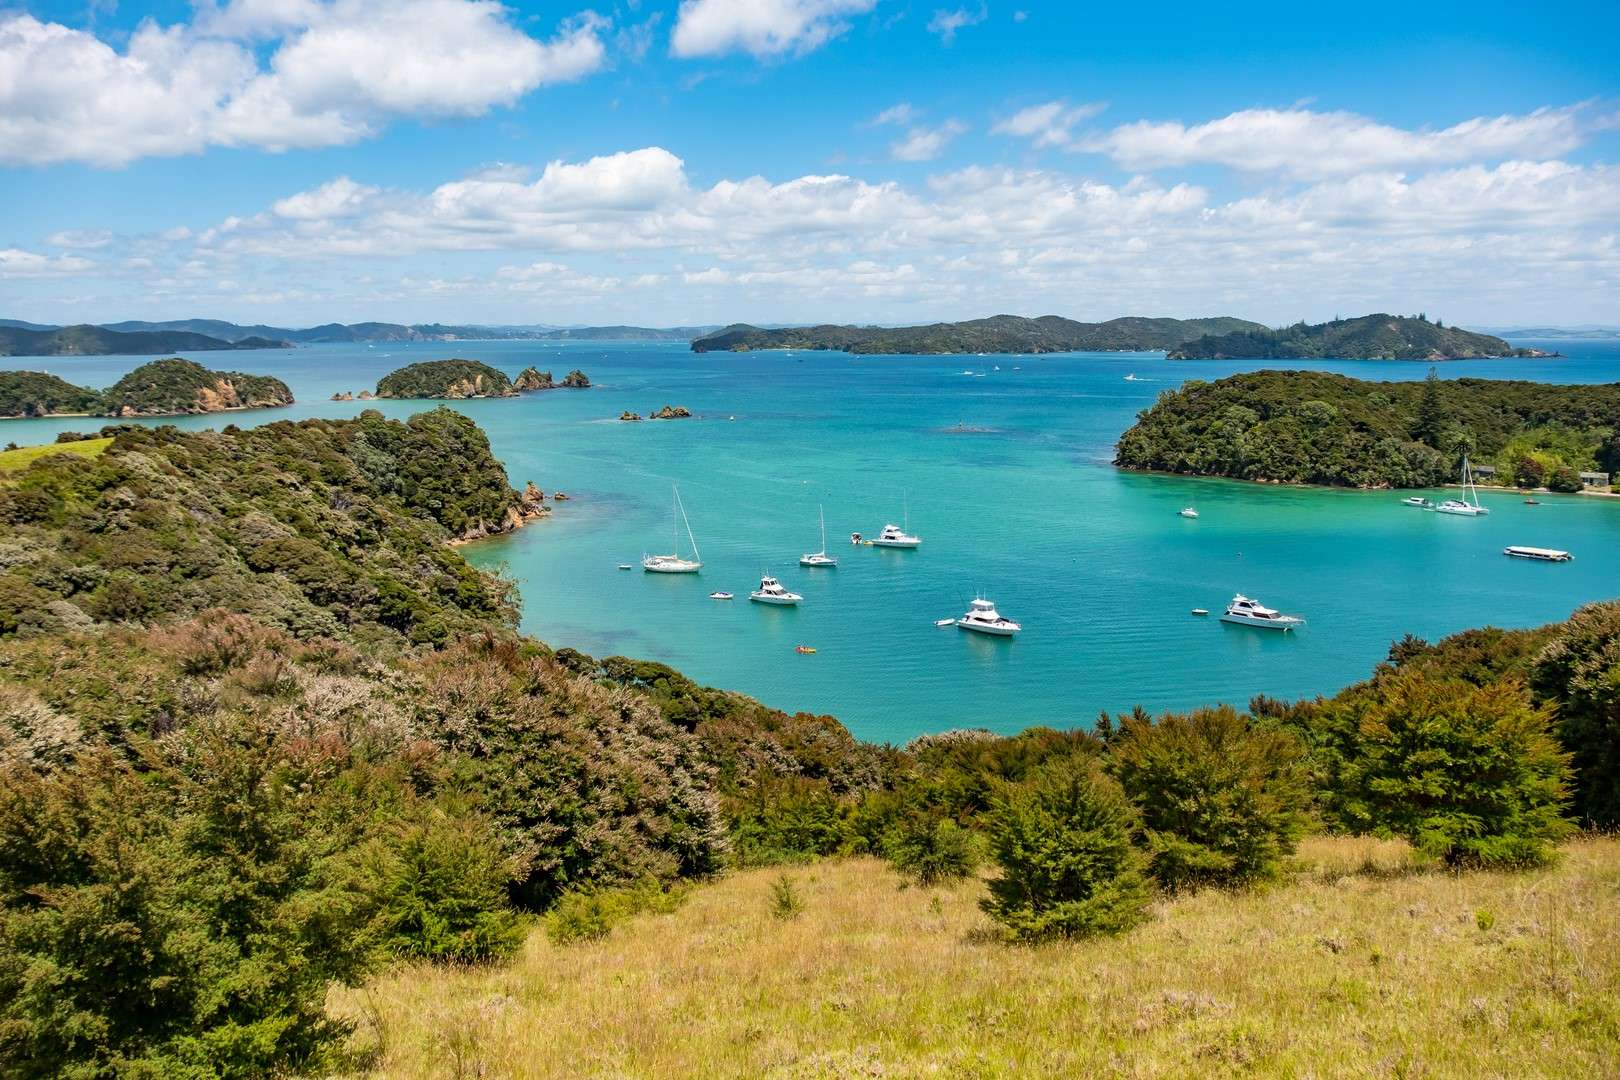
<point x="87" y="340"/>
<point x="171" y="387"/>
<point x="1315" y="427"/>
<point x="459" y="379"/>
<point x="997" y="334"/>
<point x="1370" y="337"/>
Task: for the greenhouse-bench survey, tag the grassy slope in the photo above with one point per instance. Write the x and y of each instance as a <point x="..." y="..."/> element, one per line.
<point x="22" y="456"/>
<point x="1355" y="968"/>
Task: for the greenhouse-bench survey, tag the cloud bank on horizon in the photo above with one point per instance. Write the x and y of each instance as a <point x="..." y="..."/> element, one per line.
<point x="300" y="160"/>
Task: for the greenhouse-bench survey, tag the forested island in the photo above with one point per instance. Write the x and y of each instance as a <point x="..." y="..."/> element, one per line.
<point x="264" y="733"/>
<point x="997" y="334"/>
<point x="1370" y="337"/>
<point x="1312" y="427"/>
<point x="99" y="341"/>
<point x="459" y="379"/>
<point x="171" y="387"/>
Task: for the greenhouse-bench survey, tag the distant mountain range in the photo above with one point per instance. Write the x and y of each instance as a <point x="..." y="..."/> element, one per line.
<point x="997" y="334"/>
<point x="136" y="338"/>
<point x="1369" y="337"/>
<point x="1556" y="333"/>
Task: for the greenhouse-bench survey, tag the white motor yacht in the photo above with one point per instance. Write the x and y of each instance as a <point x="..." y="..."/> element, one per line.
<point x="820" y="558"/>
<point x="674" y="563"/>
<point x="1416" y="500"/>
<point x="983" y="617"/>
<point x="1187" y="512"/>
<point x="897" y="536"/>
<point x="1247" y="612"/>
<point x="770" y="591"/>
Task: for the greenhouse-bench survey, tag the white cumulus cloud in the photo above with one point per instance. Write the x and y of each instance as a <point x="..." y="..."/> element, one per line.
<point x="1048" y="124"/>
<point x="1311" y="144"/>
<point x="947" y="21"/>
<point x="335" y="72"/>
<point x="16" y="263"/>
<point x="764" y="28"/>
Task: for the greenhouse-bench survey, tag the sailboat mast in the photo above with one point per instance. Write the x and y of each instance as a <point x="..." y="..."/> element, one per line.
<point x="823" y="515"/>
<point x="695" y="556"/>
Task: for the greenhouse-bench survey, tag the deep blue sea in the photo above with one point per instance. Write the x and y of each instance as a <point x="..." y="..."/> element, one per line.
<point x="1004" y="464"/>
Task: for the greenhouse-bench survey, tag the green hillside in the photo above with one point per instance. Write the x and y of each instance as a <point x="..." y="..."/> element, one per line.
<point x="1315" y="427"/>
<point x="34" y="393"/>
<point x="998" y="334"/>
<point x="99" y="341"/>
<point x="1370" y="337"/>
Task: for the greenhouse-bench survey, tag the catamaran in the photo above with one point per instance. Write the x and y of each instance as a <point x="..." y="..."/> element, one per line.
<point x="820" y="558"/>
<point x="1468" y="505"/>
<point x="673" y="563"/>
<point x="897" y="536"/>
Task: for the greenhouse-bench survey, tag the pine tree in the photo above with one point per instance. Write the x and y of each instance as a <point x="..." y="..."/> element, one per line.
<point x="1431" y="414"/>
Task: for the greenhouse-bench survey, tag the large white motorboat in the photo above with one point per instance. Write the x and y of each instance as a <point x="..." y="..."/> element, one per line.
<point x="1247" y="612"/>
<point x="983" y="617"/>
<point x="1469" y="504"/>
<point x="820" y="558"/>
<point x="1519" y="551"/>
<point x="897" y="536"/>
<point x="674" y="563"/>
<point x="1188" y="512"/>
<point x="770" y="591"/>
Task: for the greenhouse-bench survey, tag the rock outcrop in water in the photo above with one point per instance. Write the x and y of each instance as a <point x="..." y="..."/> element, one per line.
<point x="576" y="380"/>
<point x="531" y="378"/>
<point x="672" y="412"/>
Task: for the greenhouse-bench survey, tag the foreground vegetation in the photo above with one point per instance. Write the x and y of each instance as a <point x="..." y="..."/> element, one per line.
<point x="1369" y="337"/>
<point x="1314" y="427"/>
<point x="263" y="732"/>
<point x="161" y="388"/>
<point x="1358" y="966"/>
<point x="997" y="334"/>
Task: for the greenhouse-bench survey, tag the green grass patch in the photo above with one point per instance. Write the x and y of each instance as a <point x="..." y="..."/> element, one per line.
<point x="23" y="456"/>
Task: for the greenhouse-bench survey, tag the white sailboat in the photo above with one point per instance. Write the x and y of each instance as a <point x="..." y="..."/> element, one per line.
<point x="1468" y="505"/>
<point x="673" y="563"/>
<point x="820" y="558"/>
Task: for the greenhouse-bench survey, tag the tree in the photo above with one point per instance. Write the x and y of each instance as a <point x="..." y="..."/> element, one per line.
<point x="1565" y="478"/>
<point x="1431" y="419"/>
<point x="1471" y="775"/>
<point x="1579" y="672"/>
<point x="1222" y="801"/>
<point x="930" y="849"/>
<point x="1068" y="868"/>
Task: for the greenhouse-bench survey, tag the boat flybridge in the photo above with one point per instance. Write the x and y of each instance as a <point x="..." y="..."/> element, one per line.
<point x="673" y="563"/>
<point x="1247" y="612"/>
<point x="1468" y="505"/>
<point x="983" y="617"/>
<point x="820" y="558"/>
<point x="897" y="536"/>
<point x="770" y="591"/>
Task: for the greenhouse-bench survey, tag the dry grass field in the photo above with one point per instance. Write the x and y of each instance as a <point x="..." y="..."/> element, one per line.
<point x="1359" y="965"/>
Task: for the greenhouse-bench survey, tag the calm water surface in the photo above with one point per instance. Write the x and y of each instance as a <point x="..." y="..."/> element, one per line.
<point x="1004" y="464"/>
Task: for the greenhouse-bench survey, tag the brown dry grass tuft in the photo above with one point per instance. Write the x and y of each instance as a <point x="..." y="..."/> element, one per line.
<point x="1359" y="966"/>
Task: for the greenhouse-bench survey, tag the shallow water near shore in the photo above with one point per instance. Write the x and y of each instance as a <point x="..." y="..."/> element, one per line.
<point x="1004" y="462"/>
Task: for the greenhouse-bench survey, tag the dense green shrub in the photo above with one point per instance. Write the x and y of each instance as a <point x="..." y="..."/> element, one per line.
<point x="787" y="819"/>
<point x="1222" y="801"/>
<point x="786" y="903"/>
<point x="1578" y="671"/>
<point x="1470" y="775"/>
<point x="587" y="914"/>
<point x="442" y="879"/>
<point x="1062" y="841"/>
<point x="929" y="849"/>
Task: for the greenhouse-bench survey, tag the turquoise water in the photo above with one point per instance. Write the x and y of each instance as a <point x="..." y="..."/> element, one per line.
<point x="1022" y="506"/>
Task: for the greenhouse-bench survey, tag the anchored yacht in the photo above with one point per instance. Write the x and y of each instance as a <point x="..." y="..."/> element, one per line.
<point x="820" y="558"/>
<point x="674" y="563"/>
<point x="1247" y="612"/>
<point x="897" y="536"/>
<point x="1187" y="512"/>
<point x="1468" y="505"/>
<point x="983" y="617"/>
<point x="770" y="591"/>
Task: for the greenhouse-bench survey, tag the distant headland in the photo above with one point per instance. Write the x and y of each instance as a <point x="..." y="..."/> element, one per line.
<point x="1370" y="337"/>
<point x="997" y="334"/>
<point x="457" y="379"/>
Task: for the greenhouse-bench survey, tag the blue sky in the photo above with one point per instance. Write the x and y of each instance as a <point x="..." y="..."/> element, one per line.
<point x="296" y="161"/>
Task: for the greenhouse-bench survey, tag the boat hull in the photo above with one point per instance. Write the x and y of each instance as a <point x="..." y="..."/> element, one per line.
<point x="672" y="568"/>
<point x="895" y="543"/>
<point x="827" y="563"/>
<point x="777" y="601"/>
<point x="1264" y="624"/>
<point x="992" y="631"/>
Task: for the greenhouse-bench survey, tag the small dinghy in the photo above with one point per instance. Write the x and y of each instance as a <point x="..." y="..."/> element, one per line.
<point x="944" y="622"/>
<point x="626" y="566"/>
<point x="1188" y="512"/>
<point x="1200" y="611"/>
<point x="719" y="596"/>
